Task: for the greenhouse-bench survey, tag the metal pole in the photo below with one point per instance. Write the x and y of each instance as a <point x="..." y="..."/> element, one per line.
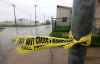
<point x="35" y="14"/>
<point x="14" y="6"/>
<point x="82" y="20"/>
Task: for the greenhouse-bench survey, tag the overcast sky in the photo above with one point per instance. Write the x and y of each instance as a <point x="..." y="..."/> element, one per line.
<point x="25" y="8"/>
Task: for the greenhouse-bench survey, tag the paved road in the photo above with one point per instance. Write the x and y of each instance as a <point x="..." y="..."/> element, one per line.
<point x="9" y="55"/>
<point x="8" y="34"/>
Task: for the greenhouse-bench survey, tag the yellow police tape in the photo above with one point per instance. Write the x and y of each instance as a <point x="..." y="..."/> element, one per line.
<point x="26" y="44"/>
<point x="85" y="40"/>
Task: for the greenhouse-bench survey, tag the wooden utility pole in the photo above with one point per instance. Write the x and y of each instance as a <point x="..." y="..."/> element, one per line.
<point x="82" y="20"/>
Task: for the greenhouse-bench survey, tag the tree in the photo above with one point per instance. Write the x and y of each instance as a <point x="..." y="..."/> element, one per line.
<point x="36" y="22"/>
<point x="48" y="22"/>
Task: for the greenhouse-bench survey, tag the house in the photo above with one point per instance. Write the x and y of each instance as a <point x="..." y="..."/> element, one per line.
<point x="63" y="11"/>
<point x="63" y="18"/>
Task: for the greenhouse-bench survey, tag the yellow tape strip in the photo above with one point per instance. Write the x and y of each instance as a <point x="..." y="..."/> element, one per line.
<point x="27" y="44"/>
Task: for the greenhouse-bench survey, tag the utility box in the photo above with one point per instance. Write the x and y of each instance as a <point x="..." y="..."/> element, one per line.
<point x="60" y="24"/>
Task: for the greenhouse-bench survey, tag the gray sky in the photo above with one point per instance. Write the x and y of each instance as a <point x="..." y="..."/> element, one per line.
<point x="25" y="8"/>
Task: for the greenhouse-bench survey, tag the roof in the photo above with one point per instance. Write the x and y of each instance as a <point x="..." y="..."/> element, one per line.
<point x="59" y="6"/>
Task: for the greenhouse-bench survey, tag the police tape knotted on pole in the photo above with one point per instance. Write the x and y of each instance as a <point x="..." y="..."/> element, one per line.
<point x="26" y="44"/>
<point x="84" y="40"/>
